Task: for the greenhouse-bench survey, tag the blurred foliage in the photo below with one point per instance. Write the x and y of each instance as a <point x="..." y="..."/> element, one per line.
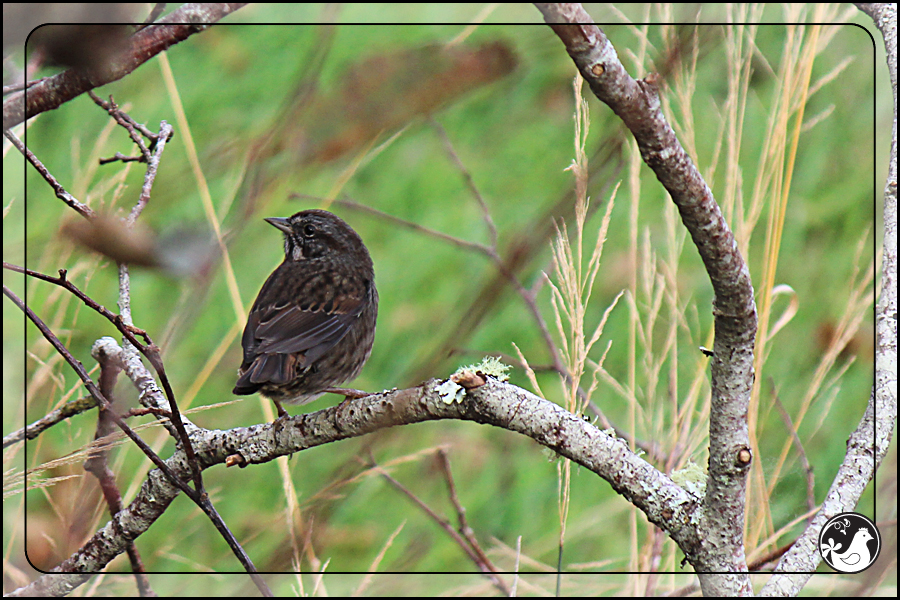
<point x="250" y="91"/>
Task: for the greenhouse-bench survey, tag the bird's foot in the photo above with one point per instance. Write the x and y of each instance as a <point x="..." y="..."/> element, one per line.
<point x="348" y="394"/>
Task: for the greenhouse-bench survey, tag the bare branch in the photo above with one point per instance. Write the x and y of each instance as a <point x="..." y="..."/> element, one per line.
<point x="637" y="104"/>
<point x="83" y="209"/>
<point x="54" y="91"/>
<point x="500" y="404"/>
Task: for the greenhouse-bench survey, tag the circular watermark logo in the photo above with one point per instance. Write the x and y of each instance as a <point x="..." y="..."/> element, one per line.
<point x="849" y="542"/>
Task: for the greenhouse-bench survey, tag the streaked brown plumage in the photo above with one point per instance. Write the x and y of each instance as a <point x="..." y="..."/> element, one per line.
<point x="313" y="323"/>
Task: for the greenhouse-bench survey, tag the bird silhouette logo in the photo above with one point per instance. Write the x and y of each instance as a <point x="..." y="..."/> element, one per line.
<point x="849" y="542"/>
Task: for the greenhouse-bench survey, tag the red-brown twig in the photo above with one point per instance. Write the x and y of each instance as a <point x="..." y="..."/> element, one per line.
<point x="472" y="551"/>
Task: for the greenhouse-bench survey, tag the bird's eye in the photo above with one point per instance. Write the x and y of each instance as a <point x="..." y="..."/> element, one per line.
<point x="309" y="230"/>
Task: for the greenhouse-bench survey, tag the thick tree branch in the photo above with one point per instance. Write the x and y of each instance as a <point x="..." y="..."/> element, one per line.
<point x="53" y="92"/>
<point x="637" y="103"/>
<point x="500" y="404"/>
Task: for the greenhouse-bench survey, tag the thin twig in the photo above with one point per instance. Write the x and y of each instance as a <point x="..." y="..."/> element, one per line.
<point x="122" y="118"/>
<point x="201" y="499"/>
<point x="808" y="469"/>
<point x="158" y="8"/>
<point x="95" y="391"/>
<point x="129" y="331"/>
<point x="69" y="409"/>
<point x="467" y="177"/>
<point x="18" y="86"/>
<point x="351" y="204"/>
<point x="119" y="157"/>
<point x="464" y="528"/>
<point x="97" y="463"/>
<point x="83" y="209"/>
<point x="165" y="133"/>
<point x="152" y="350"/>
<point x="772" y="556"/>
<point x="485" y="568"/>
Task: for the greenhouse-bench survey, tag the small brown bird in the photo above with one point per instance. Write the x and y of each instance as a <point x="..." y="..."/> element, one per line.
<point x="313" y="322"/>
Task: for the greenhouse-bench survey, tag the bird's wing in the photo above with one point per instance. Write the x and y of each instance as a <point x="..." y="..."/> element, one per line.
<point x="290" y="329"/>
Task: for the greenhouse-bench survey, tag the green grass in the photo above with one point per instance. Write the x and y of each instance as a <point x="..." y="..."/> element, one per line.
<point x="515" y="137"/>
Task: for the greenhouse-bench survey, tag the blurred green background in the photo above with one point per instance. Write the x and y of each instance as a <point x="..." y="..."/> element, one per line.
<point x="261" y="101"/>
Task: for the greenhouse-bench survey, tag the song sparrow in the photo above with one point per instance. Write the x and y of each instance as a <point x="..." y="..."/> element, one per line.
<point x="313" y="322"/>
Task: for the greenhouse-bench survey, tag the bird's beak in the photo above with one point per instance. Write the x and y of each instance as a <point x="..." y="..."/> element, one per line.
<point x="279" y="222"/>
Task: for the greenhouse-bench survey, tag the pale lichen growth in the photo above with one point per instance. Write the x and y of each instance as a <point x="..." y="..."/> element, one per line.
<point x="692" y="478"/>
<point x="471" y="377"/>
<point x="489" y="365"/>
<point x="450" y="392"/>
